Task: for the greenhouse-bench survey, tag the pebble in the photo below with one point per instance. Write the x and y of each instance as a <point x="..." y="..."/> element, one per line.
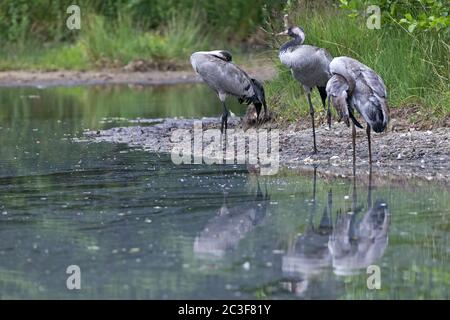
<point x="335" y="160"/>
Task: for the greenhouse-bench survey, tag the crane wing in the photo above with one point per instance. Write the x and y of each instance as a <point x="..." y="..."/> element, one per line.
<point x="361" y="72"/>
<point x="226" y="77"/>
<point x="374" y="82"/>
<point x="337" y="86"/>
<point x="305" y="57"/>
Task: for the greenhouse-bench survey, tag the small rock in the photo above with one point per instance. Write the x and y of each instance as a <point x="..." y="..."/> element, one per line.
<point x="308" y="160"/>
<point x="335" y="160"/>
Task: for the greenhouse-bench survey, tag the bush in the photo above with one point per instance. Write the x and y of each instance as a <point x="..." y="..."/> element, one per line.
<point x="416" y="15"/>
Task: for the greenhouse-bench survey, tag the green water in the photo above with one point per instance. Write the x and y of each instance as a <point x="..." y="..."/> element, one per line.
<point x="140" y="227"/>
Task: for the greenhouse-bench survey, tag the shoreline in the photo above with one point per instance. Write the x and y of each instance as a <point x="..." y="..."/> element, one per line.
<point x="398" y="155"/>
<point x="45" y="79"/>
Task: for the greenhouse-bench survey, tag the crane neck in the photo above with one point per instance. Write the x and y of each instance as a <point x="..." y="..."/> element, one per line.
<point x="297" y="41"/>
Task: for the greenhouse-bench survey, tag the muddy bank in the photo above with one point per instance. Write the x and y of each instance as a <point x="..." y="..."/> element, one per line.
<point x="397" y="154"/>
<point x="117" y="76"/>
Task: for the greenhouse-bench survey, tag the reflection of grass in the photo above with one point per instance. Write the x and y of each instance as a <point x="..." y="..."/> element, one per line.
<point x="13" y="285"/>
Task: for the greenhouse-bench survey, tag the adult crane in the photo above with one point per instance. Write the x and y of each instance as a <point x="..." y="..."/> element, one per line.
<point x="354" y="85"/>
<point x="227" y="79"/>
<point x="308" y="64"/>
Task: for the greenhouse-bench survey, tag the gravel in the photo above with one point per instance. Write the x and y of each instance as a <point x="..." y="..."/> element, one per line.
<point x="399" y="155"/>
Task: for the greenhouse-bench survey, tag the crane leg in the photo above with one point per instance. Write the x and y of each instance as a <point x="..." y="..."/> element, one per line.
<point x="354" y="147"/>
<point x="258" y="112"/>
<point x="369" y="143"/>
<point x="311" y="112"/>
<point x="224" y="118"/>
<point x="329" y="113"/>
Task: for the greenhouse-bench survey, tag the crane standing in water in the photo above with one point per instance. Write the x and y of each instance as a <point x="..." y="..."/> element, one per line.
<point x="227" y="79"/>
<point x="356" y="86"/>
<point x="308" y="64"/>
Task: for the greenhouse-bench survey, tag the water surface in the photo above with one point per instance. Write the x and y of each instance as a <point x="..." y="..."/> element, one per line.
<point x="140" y="227"/>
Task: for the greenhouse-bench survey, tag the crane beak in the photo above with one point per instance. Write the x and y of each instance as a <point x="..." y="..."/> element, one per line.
<point x="284" y="33"/>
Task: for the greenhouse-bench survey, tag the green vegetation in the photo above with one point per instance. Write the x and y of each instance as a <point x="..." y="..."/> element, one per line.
<point x="113" y="33"/>
<point x="415" y="66"/>
<point x="418" y="15"/>
<point x="411" y="50"/>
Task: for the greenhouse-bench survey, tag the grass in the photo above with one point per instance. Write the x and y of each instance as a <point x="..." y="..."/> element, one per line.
<point x="416" y="69"/>
<point x="102" y="45"/>
<point x="33" y="35"/>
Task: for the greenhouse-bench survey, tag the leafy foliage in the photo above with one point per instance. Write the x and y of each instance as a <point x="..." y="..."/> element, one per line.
<point x="416" y="15"/>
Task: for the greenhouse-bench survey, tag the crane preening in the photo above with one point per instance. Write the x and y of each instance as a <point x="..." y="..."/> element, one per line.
<point x="227" y="79"/>
<point x="354" y="85"/>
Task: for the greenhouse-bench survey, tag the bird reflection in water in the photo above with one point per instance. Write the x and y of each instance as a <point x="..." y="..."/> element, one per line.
<point x="309" y="256"/>
<point x="357" y="243"/>
<point x="349" y="245"/>
<point x="230" y="225"/>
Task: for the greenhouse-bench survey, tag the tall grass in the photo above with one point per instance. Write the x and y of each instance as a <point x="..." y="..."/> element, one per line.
<point x="116" y="31"/>
<point x="45" y="19"/>
<point x="104" y="43"/>
<point x="415" y="68"/>
<point x="118" y="43"/>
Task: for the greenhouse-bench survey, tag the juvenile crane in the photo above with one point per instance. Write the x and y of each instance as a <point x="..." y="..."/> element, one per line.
<point x="308" y="64"/>
<point x="356" y="86"/>
<point x="227" y="79"/>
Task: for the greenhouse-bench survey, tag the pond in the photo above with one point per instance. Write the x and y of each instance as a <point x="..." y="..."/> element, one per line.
<point x="140" y="227"/>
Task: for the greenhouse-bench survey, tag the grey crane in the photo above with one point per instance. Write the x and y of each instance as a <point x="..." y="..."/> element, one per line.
<point x="308" y="64"/>
<point x="356" y="86"/>
<point x="358" y="242"/>
<point x="227" y="79"/>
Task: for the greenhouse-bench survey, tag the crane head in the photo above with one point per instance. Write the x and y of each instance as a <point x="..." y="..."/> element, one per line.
<point x="290" y="30"/>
